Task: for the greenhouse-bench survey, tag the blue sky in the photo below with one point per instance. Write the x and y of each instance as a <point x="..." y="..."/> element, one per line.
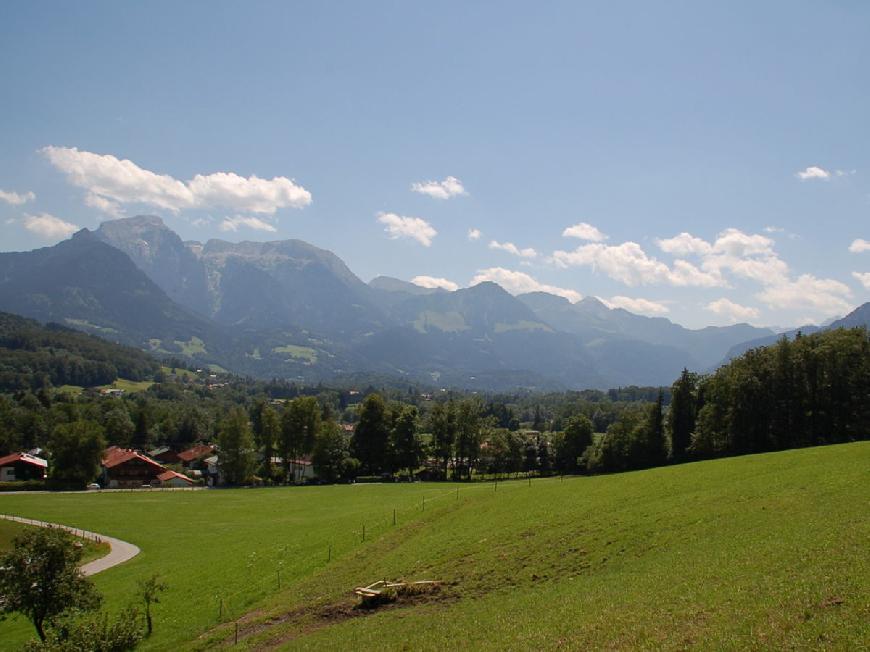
<point x="313" y="120"/>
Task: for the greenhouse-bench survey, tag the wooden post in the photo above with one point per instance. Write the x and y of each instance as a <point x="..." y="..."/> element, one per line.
<point x="394" y="516"/>
<point x="424" y="503"/>
<point x="221" y="610"/>
<point x="237" y="633"/>
<point x="279" y="579"/>
<point x="329" y="556"/>
<point x="364" y="531"/>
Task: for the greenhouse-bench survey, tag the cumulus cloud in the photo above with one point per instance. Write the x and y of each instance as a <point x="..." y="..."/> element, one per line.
<point x="733" y="312"/>
<point x="48" y="226"/>
<point x="234" y="223"/>
<point x="433" y="282"/>
<point x="449" y="187"/>
<point x="511" y="248"/>
<point x="111" y="182"/>
<point x="636" y="305"/>
<point x="15" y="198"/>
<point x="859" y="246"/>
<point x="104" y="205"/>
<point x="584" y="231"/>
<point x="629" y="264"/>
<point x="813" y="172"/>
<point x="745" y="255"/>
<point x="863" y="278"/>
<point x="398" y="226"/>
<point x="684" y="244"/>
<point x="823" y="296"/>
<point x="474" y="234"/>
<point x="520" y="283"/>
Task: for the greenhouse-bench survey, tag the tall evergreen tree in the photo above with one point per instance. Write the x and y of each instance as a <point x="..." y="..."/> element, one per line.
<point x="236" y="448"/>
<point x="682" y="414"/>
<point x="371" y="437"/>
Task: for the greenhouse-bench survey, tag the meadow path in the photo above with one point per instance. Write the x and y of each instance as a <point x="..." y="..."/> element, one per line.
<point x="119" y="551"/>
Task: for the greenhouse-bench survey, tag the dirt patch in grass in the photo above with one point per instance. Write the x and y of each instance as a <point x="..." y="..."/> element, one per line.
<point x="305" y="620"/>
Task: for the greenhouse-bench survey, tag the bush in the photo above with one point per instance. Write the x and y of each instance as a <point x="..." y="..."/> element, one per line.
<point x="95" y="633"/>
<point x="23" y="485"/>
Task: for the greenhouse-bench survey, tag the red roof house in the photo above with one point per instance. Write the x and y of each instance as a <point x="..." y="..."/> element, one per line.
<point x="22" y="466"/>
<point x="195" y="454"/>
<point x="124" y="468"/>
<point x="170" y="478"/>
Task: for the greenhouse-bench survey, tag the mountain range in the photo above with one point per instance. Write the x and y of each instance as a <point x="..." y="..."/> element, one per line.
<point x="290" y="309"/>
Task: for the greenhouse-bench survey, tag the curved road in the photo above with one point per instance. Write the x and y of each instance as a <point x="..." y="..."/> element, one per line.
<point x="119" y="551"/>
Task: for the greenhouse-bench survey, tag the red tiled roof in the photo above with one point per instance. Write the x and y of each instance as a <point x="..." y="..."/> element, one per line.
<point x="113" y="456"/>
<point x="195" y="453"/>
<point x="169" y="475"/>
<point x="23" y="457"/>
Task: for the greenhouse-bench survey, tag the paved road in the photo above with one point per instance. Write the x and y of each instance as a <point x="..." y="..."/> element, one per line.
<point x="120" y="551"/>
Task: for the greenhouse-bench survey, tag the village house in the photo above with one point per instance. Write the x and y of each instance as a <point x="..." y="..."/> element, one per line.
<point x="194" y="457"/>
<point x="124" y="468"/>
<point x="164" y="455"/>
<point x="18" y="467"/>
<point x="170" y="478"/>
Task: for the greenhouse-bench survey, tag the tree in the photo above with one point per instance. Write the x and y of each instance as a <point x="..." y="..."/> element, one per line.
<point x="150" y="591"/>
<point x="40" y="578"/>
<point x="577" y="438"/>
<point x="76" y="452"/>
<point x="371" y="437"/>
<point x="331" y="457"/>
<point x="468" y="422"/>
<point x="405" y="443"/>
<point x="119" y="426"/>
<point x="236" y="448"/>
<point x="300" y="424"/>
<point x="270" y="426"/>
<point x="442" y="425"/>
<point x="682" y="415"/>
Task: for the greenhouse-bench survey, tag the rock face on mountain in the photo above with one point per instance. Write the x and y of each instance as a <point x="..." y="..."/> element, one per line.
<point x="253" y="285"/>
<point x="291" y="309"/>
<point x="165" y="259"/>
<point x="89" y="285"/>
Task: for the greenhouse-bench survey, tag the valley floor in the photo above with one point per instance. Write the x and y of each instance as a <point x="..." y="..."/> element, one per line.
<point x="757" y="552"/>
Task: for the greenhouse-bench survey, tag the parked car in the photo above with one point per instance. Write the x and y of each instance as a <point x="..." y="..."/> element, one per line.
<point x="93" y="485"/>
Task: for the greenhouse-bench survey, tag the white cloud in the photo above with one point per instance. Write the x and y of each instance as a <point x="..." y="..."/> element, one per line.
<point x="234" y="223"/>
<point x="449" y="187"/>
<point x="15" y="198"/>
<point x="474" y="234"/>
<point x="863" y="278"/>
<point x="111" y="182"/>
<point x="105" y="205"/>
<point x="859" y="246"/>
<point x="813" y="172"/>
<point x="511" y="248"/>
<point x="252" y="194"/>
<point x="48" y="226"/>
<point x="398" y="226"/>
<point x="629" y="264"/>
<point x="808" y="293"/>
<point x="636" y="305"/>
<point x="685" y="244"/>
<point x="746" y="255"/>
<point x="733" y="312"/>
<point x="434" y="282"/>
<point x="584" y="231"/>
<point x="774" y="229"/>
<point x="520" y="283"/>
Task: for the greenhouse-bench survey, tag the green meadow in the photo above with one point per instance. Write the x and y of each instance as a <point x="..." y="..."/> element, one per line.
<point x="757" y="552"/>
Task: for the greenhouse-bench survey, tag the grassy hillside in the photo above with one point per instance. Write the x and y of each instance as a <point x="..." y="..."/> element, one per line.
<point x="765" y="551"/>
